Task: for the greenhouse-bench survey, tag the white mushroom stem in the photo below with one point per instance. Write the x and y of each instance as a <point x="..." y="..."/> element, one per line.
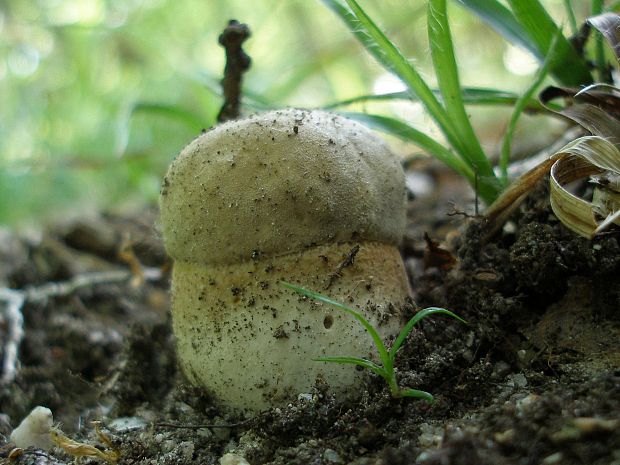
<point x="256" y="347"/>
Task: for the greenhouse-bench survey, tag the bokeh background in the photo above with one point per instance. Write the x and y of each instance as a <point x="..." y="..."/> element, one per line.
<point x="97" y="96"/>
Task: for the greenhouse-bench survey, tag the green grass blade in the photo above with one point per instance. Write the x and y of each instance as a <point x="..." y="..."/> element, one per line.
<point x="383" y="354"/>
<point x="415" y="320"/>
<point x="402" y="130"/>
<point x="427" y="396"/>
<point x="613" y="7"/>
<point x="599" y="50"/>
<point x="375" y="41"/>
<point x="370" y="98"/>
<point x="503" y="21"/>
<point x="442" y="53"/>
<point x="170" y="111"/>
<point x="353" y="23"/>
<point x="355" y="361"/>
<point x="572" y="21"/>
<point x="471" y="96"/>
<point x="520" y="107"/>
<point x="570" y="69"/>
<point x="597" y="7"/>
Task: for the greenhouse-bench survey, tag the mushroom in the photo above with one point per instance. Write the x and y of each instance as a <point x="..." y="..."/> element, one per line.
<point x="34" y="430"/>
<point x="307" y="197"/>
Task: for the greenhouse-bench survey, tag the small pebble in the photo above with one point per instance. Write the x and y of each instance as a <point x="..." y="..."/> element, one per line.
<point x="589" y="425"/>
<point x="505" y="438"/>
<point x="500" y="370"/>
<point x="553" y="459"/>
<point x="186" y="450"/>
<point x="332" y="456"/>
<point x="233" y="459"/>
<point x="526" y="404"/>
<point x="520" y="380"/>
<point x="127" y="424"/>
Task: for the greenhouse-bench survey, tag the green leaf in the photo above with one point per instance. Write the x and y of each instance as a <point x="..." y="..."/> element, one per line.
<point x="608" y="25"/>
<point x="520" y="107"/>
<point x="503" y="21"/>
<point x="379" y="46"/>
<point x="427" y="396"/>
<point x="415" y="320"/>
<point x="355" y="361"/>
<point x="402" y="130"/>
<point x="383" y="354"/>
<point x="613" y="7"/>
<point x="570" y="68"/>
<point x="572" y="21"/>
<point x="601" y="119"/>
<point x="471" y="96"/>
<point x="442" y="52"/>
<point x="192" y="119"/>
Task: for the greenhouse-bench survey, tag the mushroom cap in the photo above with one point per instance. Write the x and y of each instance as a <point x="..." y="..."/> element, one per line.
<point x="279" y="182"/>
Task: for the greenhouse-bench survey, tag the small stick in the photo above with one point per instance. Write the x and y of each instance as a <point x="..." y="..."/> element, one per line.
<point x="237" y="62"/>
<point x="206" y="425"/>
<point x="15" y="332"/>
<point x="15" y="300"/>
<point x="454" y="211"/>
<point x="348" y="261"/>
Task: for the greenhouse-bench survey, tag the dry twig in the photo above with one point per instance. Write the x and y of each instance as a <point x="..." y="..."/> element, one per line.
<point x="15" y="300"/>
<point x="348" y="261"/>
<point x="237" y="63"/>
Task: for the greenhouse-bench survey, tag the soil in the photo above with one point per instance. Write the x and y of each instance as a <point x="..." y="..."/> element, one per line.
<point x="534" y="378"/>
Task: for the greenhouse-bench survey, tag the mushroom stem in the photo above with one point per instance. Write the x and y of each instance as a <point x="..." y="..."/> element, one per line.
<point x="260" y="334"/>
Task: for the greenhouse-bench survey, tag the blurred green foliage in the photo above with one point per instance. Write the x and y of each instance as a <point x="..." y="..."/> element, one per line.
<point x="97" y="96"/>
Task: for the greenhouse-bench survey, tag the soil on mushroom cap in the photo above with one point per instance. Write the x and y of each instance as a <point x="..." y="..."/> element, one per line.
<point x="535" y="375"/>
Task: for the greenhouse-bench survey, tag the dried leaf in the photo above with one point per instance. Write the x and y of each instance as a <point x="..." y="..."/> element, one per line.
<point x="581" y="158"/>
<point x="606" y="203"/>
<point x="597" y="151"/>
<point x="15" y="453"/>
<point x="80" y="449"/>
<point x="608" y="24"/>
<point x="596" y="108"/>
<point x="575" y="213"/>
<point x="436" y="256"/>
<point x="604" y="96"/>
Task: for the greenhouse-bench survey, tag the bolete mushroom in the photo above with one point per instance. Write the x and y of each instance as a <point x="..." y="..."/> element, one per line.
<point x="307" y="197"/>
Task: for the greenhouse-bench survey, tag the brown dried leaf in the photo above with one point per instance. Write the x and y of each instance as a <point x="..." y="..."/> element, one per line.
<point x="435" y="256"/>
<point x="608" y="24"/>
<point x="575" y="213"/>
<point x="595" y="108"/>
<point x="80" y="449"/>
<point x="580" y="159"/>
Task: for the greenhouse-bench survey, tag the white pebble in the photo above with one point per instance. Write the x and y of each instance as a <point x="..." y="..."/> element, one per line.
<point x="233" y="459"/>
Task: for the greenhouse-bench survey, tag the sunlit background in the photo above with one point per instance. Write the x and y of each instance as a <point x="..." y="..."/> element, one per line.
<point x="97" y="96"/>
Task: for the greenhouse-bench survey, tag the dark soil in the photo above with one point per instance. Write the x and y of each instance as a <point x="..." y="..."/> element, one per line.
<point x="534" y="378"/>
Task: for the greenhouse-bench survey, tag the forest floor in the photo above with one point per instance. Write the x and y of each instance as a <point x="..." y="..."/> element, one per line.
<point x="534" y="378"/>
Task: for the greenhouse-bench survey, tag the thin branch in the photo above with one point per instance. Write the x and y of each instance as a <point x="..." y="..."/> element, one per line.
<point x="237" y="63"/>
<point x="205" y="425"/>
<point x="348" y="261"/>
<point x="15" y="300"/>
<point x="15" y="332"/>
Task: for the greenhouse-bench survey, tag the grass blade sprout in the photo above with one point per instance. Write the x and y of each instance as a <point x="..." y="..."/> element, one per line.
<point x="386" y="368"/>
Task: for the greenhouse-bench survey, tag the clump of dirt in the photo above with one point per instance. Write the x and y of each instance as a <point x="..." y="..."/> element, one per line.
<point x="534" y="377"/>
